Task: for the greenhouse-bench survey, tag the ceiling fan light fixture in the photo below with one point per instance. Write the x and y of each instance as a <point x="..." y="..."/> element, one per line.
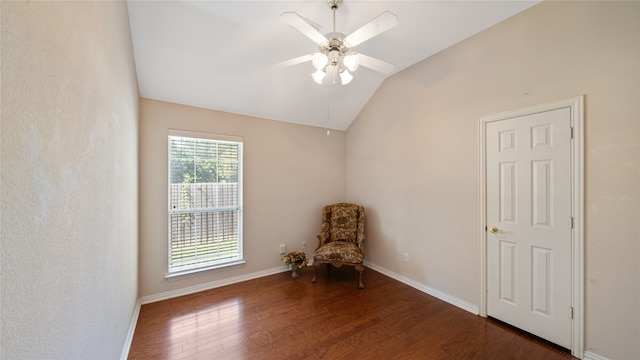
<point x="345" y="77"/>
<point x="318" y="76"/>
<point x="319" y="60"/>
<point x="333" y="56"/>
<point x="351" y="61"/>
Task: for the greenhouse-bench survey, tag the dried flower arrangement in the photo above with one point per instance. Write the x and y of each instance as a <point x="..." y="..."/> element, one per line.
<point x="298" y="258"/>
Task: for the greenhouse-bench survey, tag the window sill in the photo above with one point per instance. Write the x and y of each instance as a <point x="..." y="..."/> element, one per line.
<point x="201" y="270"/>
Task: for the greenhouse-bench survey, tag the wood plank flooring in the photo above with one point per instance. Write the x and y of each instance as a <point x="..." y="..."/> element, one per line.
<point x="278" y="317"/>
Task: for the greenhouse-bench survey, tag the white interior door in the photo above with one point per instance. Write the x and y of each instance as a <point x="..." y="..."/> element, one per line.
<point x="529" y="223"/>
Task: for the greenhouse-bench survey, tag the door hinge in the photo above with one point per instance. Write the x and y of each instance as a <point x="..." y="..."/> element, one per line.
<point x="571" y="307"/>
<point x="571" y="133"/>
<point x="572" y="222"/>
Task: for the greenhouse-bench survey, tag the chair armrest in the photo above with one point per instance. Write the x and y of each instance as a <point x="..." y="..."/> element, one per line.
<point x="322" y="238"/>
<point x="360" y="231"/>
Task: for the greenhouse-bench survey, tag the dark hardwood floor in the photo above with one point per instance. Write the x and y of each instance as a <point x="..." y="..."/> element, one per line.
<point x="278" y="317"/>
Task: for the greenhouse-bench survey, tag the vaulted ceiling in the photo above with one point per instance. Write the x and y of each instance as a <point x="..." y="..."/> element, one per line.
<point x="221" y="54"/>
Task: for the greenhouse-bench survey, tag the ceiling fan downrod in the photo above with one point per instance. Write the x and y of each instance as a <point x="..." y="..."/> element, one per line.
<point x="334" y="5"/>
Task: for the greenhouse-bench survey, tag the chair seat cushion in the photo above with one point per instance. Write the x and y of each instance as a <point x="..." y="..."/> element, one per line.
<point x="346" y="252"/>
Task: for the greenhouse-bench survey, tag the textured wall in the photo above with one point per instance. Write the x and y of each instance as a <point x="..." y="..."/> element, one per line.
<point x="421" y="189"/>
<point x="68" y="180"/>
<point x="290" y="172"/>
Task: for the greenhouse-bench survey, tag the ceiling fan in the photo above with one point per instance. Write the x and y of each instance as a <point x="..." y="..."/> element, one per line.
<point x="335" y="58"/>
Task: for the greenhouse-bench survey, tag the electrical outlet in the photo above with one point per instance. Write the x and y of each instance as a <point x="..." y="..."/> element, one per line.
<point x="406" y="257"/>
<point x="304" y="244"/>
<point x="283" y="249"/>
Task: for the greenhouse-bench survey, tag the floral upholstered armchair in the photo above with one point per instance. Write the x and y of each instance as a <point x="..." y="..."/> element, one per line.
<point x="341" y="241"/>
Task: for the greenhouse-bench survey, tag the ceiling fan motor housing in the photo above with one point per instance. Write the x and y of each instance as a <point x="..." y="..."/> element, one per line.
<point x="335" y="50"/>
<point x="335" y="43"/>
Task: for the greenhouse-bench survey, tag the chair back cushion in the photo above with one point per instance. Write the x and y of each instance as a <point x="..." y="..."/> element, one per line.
<point x="344" y="223"/>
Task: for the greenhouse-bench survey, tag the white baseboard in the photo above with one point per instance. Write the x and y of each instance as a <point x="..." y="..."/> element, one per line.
<point x="210" y="285"/>
<point x="132" y="329"/>
<point x="592" y="356"/>
<point x="425" y="289"/>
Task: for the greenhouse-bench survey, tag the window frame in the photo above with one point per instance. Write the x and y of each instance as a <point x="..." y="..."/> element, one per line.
<point x="216" y="264"/>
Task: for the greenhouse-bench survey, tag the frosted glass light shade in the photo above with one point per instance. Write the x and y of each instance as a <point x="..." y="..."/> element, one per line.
<point x="319" y="60"/>
<point x="318" y="76"/>
<point x="345" y="77"/>
<point x="351" y="61"/>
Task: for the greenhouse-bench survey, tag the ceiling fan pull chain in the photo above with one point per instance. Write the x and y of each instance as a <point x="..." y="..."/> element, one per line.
<point x="328" y="110"/>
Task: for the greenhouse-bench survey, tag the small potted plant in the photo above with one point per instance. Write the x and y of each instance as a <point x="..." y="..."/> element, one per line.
<point x="297" y="259"/>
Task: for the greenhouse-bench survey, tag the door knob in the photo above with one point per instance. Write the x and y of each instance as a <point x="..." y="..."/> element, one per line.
<point x="494" y="230"/>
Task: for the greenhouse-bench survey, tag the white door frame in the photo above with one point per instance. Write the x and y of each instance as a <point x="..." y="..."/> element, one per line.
<point x="576" y="105"/>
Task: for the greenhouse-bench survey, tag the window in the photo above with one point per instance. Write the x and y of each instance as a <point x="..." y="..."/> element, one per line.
<point x="205" y="201"/>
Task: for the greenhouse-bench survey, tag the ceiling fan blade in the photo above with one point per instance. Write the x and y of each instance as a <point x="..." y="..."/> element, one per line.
<point x="294" y="61"/>
<point x="378" y="25"/>
<point x="299" y="23"/>
<point x="376" y="64"/>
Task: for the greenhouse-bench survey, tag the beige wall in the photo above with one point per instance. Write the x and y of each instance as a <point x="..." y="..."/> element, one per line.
<point x="421" y="189"/>
<point x="290" y="172"/>
<point x="68" y="180"/>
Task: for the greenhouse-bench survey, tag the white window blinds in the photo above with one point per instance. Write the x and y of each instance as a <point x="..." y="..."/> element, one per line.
<point x="205" y="201"/>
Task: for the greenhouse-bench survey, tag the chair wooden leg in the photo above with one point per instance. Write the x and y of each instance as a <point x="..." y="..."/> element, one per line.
<point x="361" y="271"/>
<point x="315" y="273"/>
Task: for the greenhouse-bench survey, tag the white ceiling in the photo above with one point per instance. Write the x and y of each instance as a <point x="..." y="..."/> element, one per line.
<point x="219" y="54"/>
